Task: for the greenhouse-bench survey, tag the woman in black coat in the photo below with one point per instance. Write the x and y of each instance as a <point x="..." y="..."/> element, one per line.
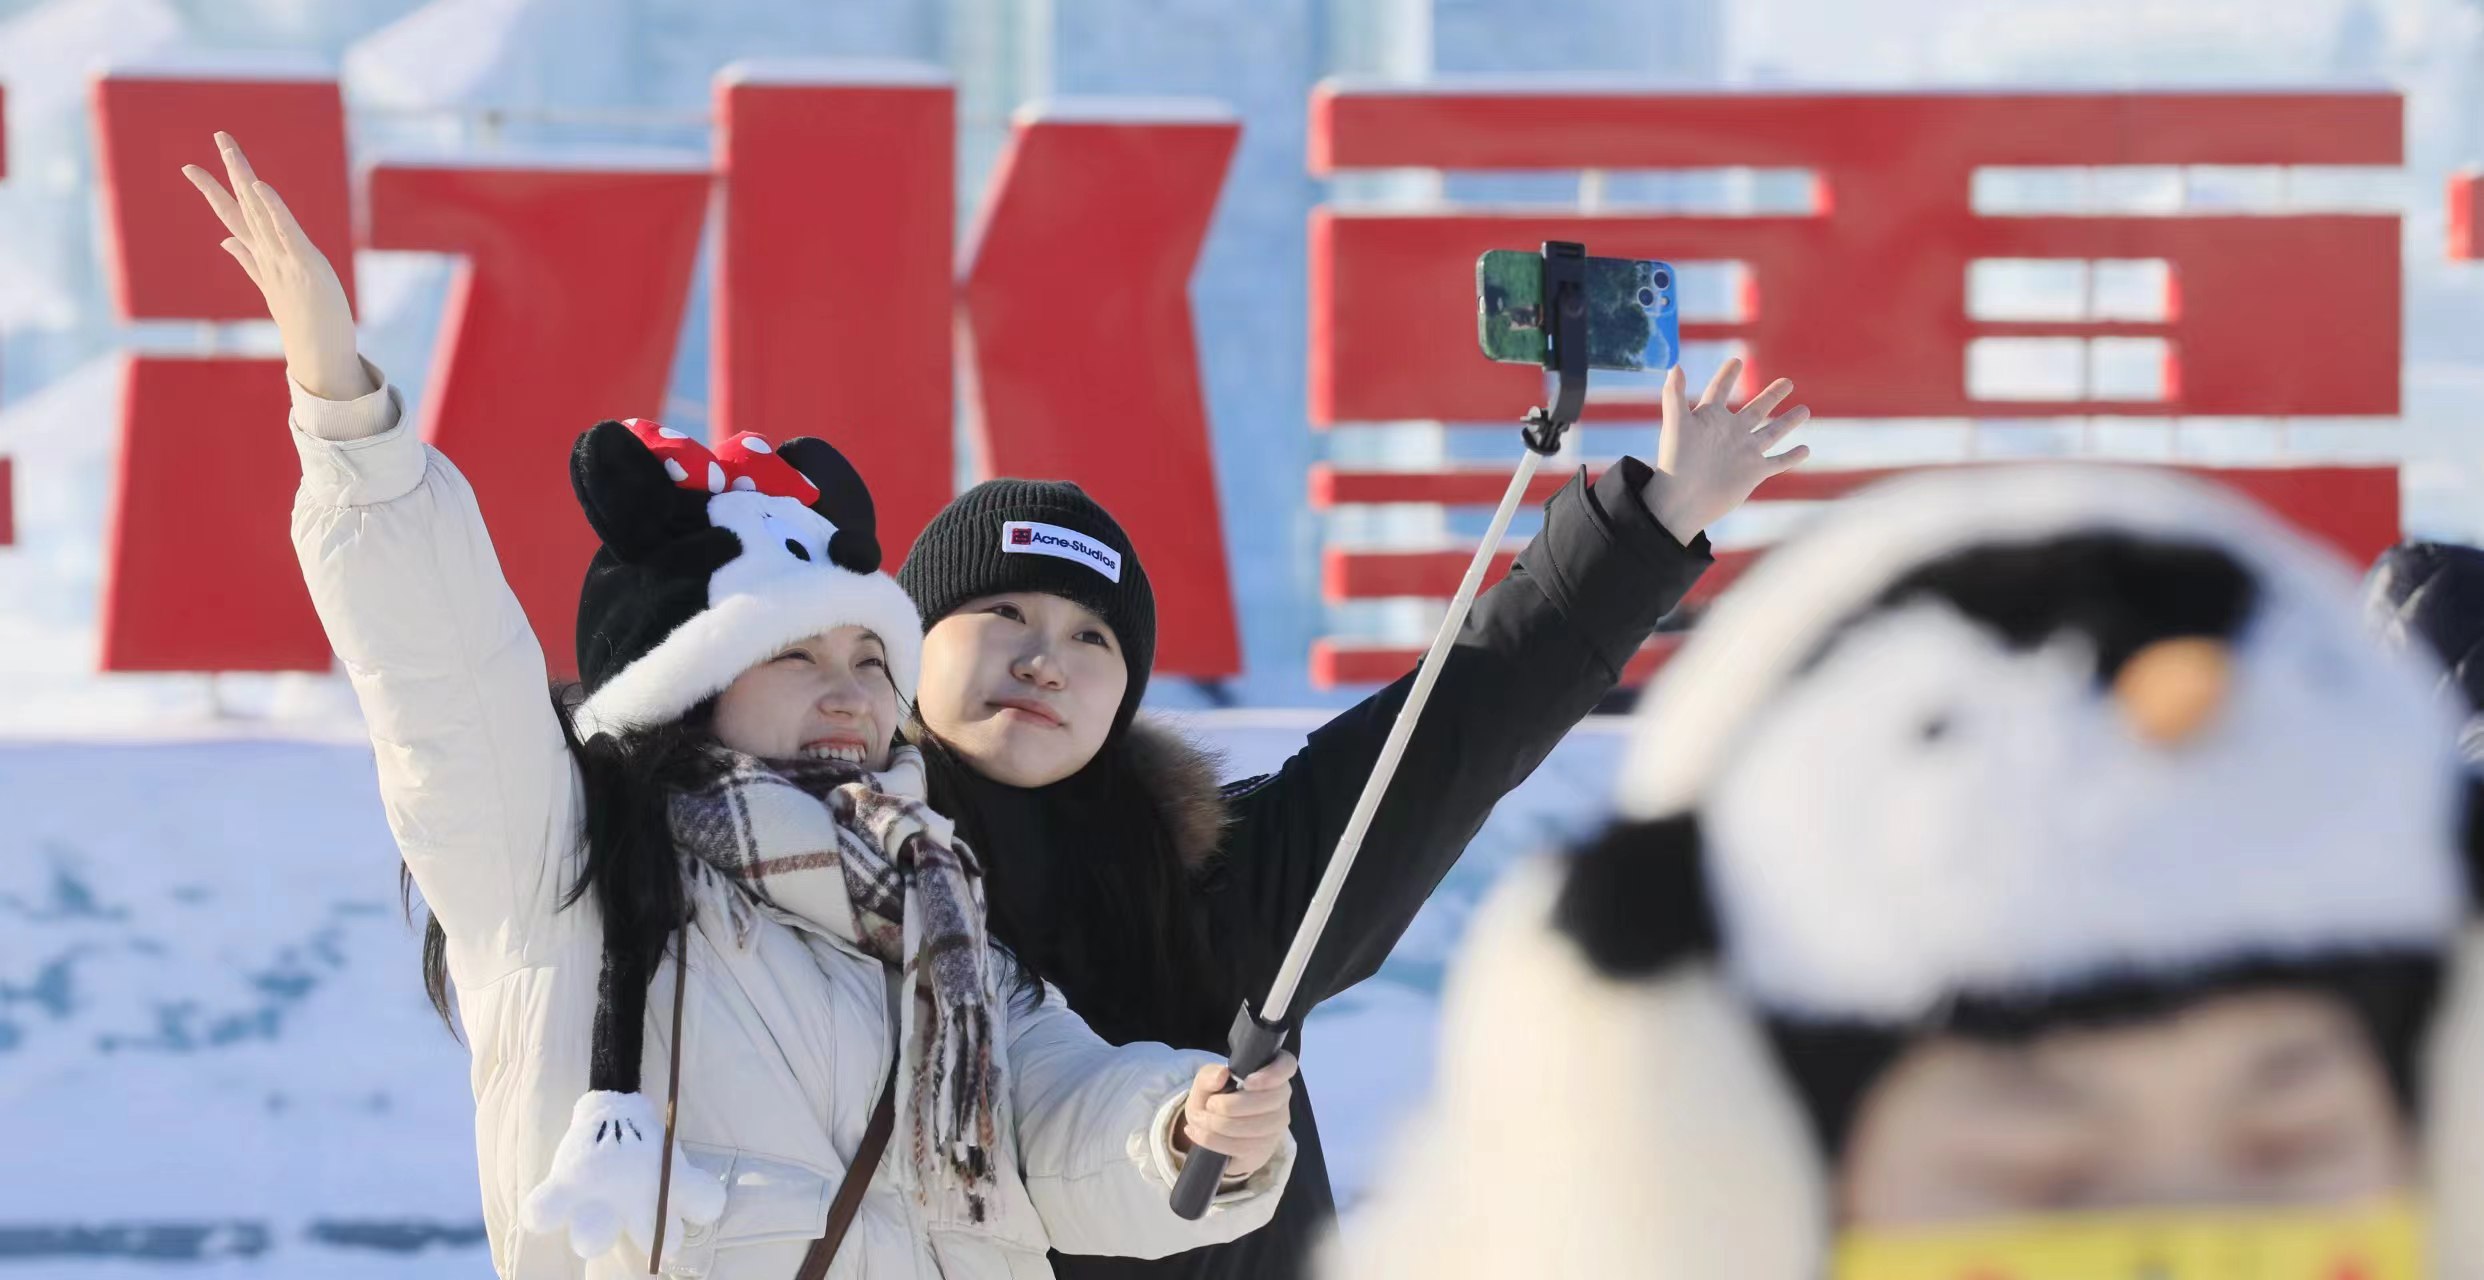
<point x="1158" y="899"/>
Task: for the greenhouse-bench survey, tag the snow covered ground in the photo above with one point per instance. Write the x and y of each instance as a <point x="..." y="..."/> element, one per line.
<point x="214" y="1047"/>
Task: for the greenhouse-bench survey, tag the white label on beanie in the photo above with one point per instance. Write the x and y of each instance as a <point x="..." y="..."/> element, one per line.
<point x="1028" y="537"/>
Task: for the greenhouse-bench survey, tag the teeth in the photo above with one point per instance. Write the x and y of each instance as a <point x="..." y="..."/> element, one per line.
<point x="850" y="755"/>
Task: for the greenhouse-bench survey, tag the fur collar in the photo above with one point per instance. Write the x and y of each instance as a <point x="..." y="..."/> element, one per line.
<point x="1184" y="775"/>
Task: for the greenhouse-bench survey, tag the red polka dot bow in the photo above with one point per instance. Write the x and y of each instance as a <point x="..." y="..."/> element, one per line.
<point x="746" y="462"/>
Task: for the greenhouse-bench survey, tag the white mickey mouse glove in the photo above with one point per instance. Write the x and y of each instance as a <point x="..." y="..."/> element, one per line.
<point x="604" y="1177"/>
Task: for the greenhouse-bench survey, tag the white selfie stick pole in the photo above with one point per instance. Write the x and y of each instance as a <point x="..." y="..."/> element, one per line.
<point x="1350" y="844"/>
<point x="1256" y="1036"/>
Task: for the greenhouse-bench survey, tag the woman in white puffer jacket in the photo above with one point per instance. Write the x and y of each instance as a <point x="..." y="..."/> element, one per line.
<point x="720" y="874"/>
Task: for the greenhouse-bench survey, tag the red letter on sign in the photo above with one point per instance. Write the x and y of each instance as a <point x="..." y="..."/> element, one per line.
<point x="1863" y="297"/>
<point x="1393" y="331"/>
<point x="564" y="313"/>
<point x="8" y="516"/>
<point x="833" y="305"/>
<point x="198" y="572"/>
<point x="2466" y="217"/>
<point x="1083" y="363"/>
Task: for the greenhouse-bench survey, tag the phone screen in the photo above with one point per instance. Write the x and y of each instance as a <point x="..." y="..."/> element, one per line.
<point x="1633" y="322"/>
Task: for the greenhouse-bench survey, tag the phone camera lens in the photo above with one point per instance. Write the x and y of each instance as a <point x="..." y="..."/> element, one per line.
<point x="1647" y="297"/>
<point x="1664" y="280"/>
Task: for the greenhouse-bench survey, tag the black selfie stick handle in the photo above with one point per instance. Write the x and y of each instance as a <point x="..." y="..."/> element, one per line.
<point x="1251" y="1044"/>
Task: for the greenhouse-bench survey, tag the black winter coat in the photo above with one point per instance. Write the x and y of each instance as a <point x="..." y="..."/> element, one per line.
<point x="2432" y="594"/>
<point x="1537" y="653"/>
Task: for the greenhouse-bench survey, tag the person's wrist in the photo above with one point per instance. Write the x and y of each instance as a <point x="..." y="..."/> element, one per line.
<point x="333" y="378"/>
<point x="1183" y="1148"/>
<point x="1673" y="508"/>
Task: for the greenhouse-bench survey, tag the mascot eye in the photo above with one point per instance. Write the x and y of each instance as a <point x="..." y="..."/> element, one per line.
<point x="1935" y="727"/>
<point x="799" y="551"/>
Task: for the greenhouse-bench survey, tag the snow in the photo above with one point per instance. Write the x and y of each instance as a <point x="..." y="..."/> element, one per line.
<point x="484" y="52"/>
<point x="206" y="995"/>
<point x="221" y="64"/>
<point x="51" y="279"/>
<point x="47" y="53"/>
<point x="60" y="445"/>
<point x="212" y="1024"/>
<point x="1125" y="110"/>
<point x="834" y="71"/>
<point x="1589" y="84"/>
<point x="29" y="298"/>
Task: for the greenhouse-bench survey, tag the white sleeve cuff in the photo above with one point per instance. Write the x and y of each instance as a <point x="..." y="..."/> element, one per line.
<point x="344" y="420"/>
<point x="355" y="453"/>
<point x="1168" y="1162"/>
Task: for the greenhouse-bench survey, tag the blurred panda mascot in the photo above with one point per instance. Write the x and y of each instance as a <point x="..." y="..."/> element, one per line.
<point x="1984" y="791"/>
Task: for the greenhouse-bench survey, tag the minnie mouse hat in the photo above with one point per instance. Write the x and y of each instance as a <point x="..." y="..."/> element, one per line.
<point x="713" y="561"/>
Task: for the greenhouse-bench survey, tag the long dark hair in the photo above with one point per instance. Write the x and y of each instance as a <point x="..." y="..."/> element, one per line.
<point x="625" y="841"/>
<point x="1122" y="933"/>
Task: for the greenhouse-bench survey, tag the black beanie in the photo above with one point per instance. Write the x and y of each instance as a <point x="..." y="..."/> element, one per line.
<point x="1037" y="535"/>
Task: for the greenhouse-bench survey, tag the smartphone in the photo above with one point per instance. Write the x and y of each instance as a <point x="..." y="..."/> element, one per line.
<point x="1632" y="320"/>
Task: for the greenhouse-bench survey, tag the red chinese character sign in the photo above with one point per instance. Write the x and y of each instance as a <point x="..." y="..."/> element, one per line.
<point x="833" y="317"/>
<point x="832" y="312"/>
<point x="8" y="491"/>
<point x="837" y="305"/>
<point x="1082" y="352"/>
<point x="1863" y="297"/>
<point x="1885" y="253"/>
<point x="2466" y="217"/>
<point x="563" y="313"/>
<point x="198" y="572"/>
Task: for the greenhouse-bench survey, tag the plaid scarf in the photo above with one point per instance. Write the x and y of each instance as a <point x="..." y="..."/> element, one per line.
<point x="859" y="856"/>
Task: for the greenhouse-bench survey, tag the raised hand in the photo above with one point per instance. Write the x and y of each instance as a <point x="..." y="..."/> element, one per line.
<point x="302" y="293"/>
<point x="1711" y="456"/>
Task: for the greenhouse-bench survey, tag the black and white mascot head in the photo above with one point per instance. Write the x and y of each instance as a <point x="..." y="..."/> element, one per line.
<point x="713" y="561"/>
<point x="2018" y="739"/>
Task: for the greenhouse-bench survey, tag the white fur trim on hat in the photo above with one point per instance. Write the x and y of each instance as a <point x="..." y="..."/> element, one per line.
<point x="749" y="626"/>
<point x="1751" y="639"/>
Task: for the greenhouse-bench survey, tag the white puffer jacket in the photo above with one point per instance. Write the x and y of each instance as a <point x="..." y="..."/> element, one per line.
<point x="787" y="1035"/>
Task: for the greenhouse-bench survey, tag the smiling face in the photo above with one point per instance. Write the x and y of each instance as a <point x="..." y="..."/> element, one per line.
<point x="1024" y="685"/>
<point x="2265" y="1098"/>
<point x="828" y="696"/>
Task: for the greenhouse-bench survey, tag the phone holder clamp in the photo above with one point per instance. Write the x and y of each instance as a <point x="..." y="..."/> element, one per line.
<point x="1565" y="352"/>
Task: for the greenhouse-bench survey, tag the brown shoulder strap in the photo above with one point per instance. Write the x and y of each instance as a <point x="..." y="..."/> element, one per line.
<point x="857" y="1180"/>
<point x="672" y="1097"/>
<point x="849" y="1190"/>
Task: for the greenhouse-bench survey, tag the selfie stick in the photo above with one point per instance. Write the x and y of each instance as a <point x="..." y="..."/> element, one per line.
<point x="1255" y="1039"/>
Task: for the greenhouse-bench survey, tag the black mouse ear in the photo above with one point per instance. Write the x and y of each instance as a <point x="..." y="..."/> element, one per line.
<point x="632" y="499"/>
<point x="1635" y="898"/>
<point x="843" y="499"/>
